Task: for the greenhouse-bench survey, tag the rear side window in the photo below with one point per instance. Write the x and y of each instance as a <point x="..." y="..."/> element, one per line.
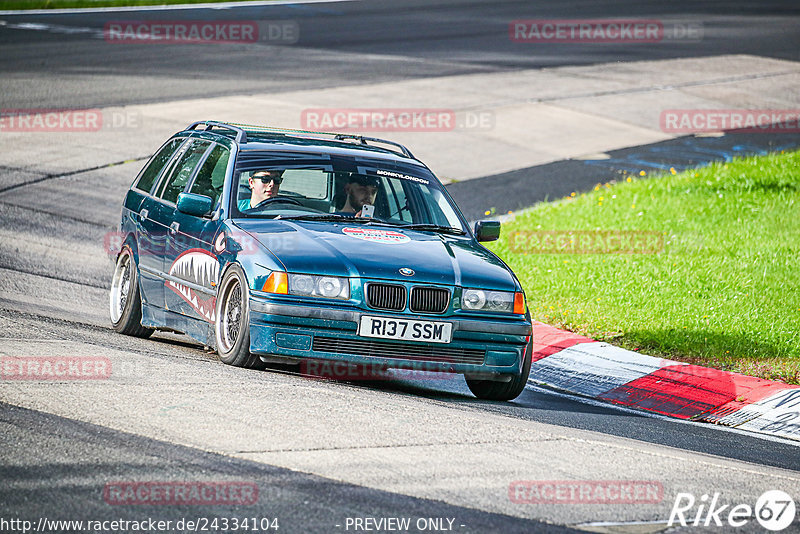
<point x="156" y="163"/>
<point x="211" y="177"/>
<point x="176" y="182"/>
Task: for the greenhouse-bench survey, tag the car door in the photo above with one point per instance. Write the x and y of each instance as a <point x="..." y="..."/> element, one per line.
<point x="150" y="238"/>
<point x="161" y="215"/>
<point x="191" y="265"/>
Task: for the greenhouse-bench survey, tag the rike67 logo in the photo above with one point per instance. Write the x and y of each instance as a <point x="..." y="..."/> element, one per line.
<point x="774" y="510"/>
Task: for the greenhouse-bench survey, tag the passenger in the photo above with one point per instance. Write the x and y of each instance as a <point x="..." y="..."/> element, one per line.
<point x="361" y="190"/>
<point x="263" y="184"/>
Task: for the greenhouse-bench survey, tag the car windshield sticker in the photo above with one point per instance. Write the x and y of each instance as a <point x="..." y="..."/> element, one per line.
<point x="402" y="176"/>
<point x="379" y="236"/>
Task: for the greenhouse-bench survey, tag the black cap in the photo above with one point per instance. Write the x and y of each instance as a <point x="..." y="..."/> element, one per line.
<point x="364" y="179"/>
<point x="271" y="171"/>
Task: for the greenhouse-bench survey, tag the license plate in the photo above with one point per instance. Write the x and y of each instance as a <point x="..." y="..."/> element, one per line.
<point x="405" y="329"/>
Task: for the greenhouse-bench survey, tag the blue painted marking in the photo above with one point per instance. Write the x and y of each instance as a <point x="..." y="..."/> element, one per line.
<point x="688" y="152"/>
<point x="690" y="149"/>
<point x="751" y="149"/>
<point x="619" y="164"/>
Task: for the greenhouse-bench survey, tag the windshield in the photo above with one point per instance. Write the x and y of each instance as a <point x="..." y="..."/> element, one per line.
<point x="266" y="190"/>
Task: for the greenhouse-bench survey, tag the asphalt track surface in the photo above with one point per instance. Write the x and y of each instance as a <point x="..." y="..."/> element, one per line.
<point x="63" y="67"/>
<point x="316" y="503"/>
<point x="52" y="279"/>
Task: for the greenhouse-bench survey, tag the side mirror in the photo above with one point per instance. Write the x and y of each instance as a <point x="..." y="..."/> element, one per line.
<point x="487" y="230"/>
<point x="193" y="204"/>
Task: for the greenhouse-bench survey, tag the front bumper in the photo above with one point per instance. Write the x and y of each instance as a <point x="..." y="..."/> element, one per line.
<point x="480" y="347"/>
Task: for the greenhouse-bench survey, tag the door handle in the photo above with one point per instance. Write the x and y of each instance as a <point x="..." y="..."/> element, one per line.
<point x="143" y="214"/>
<point x="173" y="228"/>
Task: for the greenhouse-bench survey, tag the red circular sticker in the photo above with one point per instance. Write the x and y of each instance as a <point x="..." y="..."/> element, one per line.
<point x="380" y="236"/>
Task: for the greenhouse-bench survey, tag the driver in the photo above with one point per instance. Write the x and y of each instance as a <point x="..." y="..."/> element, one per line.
<point x="263" y="184"/>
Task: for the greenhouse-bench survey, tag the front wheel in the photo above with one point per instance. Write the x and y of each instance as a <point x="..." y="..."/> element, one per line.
<point x="232" y="326"/>
<point x="125" y="303"/>
<point x="504" y="391"/>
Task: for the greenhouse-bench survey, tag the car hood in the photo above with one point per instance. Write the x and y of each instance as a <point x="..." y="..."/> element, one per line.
<point x="379" y="252"/>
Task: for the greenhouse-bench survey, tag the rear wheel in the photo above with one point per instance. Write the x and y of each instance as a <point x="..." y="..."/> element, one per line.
<point x="125" y="303"/>
<point x="504" y="391"/>
<point x="232" y="327"/>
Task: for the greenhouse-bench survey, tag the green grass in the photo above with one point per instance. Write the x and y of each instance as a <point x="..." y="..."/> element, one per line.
<point x="58" y="4"/>
<point x="723" y="292"/>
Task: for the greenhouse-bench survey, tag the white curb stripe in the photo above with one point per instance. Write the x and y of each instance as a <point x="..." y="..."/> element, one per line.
<point x="642" y="413"/>
<point x="778" y="415"/>
<point x="594" y="368"/>
<point x="53" y="28"/>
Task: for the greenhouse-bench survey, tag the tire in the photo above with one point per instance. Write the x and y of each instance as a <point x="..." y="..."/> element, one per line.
<point x="125" y="301"/>
<point x="232" y="325"/>
<point x="504" y="391"/>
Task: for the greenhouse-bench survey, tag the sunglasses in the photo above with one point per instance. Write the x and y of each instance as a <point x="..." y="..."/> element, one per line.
<point x="267" y="178"/>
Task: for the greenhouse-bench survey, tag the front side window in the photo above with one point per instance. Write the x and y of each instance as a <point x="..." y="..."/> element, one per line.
<point x="182" y="171"/>
<point x="440" y="210"/>
<point x="156" y="163"/>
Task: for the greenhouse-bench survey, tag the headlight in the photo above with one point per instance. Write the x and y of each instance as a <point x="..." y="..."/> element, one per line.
<point x="331" y="287"/>
<point x="493" y="301"/>
<point x="302" y="284"/>
<point x="473" y="299"/>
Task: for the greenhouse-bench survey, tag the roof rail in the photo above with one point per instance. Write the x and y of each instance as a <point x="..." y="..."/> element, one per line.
<point x="241" y="135"/>
<point x="363" y="140"/>
<point x="337" y="136"/>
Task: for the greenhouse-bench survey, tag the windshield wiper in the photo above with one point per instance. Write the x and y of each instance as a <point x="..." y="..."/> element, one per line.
<point x="370" y="220"/>
<point x="435" y="228"/>
<point x="316" y="217"/>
